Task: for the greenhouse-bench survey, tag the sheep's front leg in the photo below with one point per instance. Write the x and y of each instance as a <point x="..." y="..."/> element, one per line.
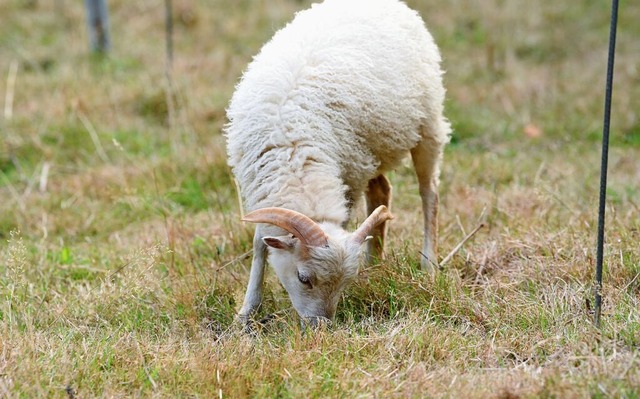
<point x="253" y="296"/>
<point x="378" y="193"/>
<point x="426" y="158"/>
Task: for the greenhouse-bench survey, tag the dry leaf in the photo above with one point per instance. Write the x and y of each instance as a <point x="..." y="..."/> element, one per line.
<point x="532" y="131"/>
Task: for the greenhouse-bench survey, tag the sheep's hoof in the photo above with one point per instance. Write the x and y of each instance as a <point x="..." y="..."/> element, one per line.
<point x="252" y="327"/>
<point x="248" y="324"/>
<point x="429" y="264"/>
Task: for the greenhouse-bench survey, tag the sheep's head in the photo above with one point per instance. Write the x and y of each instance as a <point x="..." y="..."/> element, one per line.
<point x="315" y="262"/>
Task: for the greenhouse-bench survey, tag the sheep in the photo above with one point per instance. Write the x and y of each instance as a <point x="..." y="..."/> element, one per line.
<point x="333" y="101"/>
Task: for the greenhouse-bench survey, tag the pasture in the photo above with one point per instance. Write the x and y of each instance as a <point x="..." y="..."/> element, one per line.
<point x="123" y="259"/>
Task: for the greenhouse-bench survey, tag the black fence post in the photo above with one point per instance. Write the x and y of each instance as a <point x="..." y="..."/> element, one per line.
<point x="605" y="159"/>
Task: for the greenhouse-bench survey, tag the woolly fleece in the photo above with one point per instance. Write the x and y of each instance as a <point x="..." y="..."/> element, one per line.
<point x="337" y="97"/>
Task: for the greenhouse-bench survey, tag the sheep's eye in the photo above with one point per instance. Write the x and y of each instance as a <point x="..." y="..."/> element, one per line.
<point x="304" y="279"/>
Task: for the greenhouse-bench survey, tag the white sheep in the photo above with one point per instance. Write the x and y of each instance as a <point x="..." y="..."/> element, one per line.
<point x="337" y="97"/>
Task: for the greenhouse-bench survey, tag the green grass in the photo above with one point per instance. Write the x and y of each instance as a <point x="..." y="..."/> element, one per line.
<point x="123" y="259"/>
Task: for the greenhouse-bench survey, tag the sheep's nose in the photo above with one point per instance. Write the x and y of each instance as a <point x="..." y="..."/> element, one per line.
<point x="315" y="322"/>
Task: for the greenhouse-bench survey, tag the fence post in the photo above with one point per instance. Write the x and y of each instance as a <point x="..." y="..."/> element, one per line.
<point x="98" y="25"/>
<point x="605" y="159"/>
<point x="168" y="6"/>
<point x="170" y="90"/>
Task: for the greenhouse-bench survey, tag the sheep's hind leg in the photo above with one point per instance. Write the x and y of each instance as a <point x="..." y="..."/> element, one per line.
<point x="378" y="193"/>
<point x="426" y="158"/>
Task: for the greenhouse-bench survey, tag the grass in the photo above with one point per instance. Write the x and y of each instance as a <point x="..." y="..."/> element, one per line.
<point x="123" y="260"/>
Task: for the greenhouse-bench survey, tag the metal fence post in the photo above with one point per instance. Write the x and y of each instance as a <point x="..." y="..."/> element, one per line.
<point x="605" y="160"/>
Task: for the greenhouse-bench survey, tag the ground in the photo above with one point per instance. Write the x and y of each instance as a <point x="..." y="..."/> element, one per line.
<point x="123" y="259"/>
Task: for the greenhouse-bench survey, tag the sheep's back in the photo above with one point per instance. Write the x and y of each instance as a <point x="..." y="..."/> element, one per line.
<point x="358" y="79"/>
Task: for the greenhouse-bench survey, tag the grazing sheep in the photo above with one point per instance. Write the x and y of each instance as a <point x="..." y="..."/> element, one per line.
<point x="336" y="98"/>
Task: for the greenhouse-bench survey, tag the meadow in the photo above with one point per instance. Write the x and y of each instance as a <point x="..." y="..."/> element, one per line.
<point x="123" y="259"/>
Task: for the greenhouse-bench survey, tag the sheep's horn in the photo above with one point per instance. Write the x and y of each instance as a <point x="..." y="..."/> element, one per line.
<point x="301" y="226"/>
<point x="379" y="215"/>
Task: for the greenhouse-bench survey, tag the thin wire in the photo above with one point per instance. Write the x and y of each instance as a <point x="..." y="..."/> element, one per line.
<point x="605" y="159"/>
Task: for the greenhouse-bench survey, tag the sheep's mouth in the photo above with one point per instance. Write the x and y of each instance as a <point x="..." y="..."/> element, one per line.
<point x="315" y="322"/>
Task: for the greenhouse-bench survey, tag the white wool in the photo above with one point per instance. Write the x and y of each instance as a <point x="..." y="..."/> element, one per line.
<point x="336" y="97"/>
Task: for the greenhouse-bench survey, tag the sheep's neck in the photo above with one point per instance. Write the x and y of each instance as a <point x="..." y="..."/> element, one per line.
<point x="312" y="190"/>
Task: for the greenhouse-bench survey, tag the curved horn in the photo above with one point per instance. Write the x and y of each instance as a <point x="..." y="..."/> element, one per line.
<point x="379" y="215"/>
<point x="301" y="226"/>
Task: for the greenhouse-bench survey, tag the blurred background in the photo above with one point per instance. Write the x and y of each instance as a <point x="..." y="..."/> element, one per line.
<point x="517" y="73"/>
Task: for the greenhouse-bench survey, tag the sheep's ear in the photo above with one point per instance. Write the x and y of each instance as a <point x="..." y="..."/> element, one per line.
<point x="286" y="243"/>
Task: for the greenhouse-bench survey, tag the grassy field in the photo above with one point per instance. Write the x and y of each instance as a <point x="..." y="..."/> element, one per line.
<point x="123" y="259"/>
